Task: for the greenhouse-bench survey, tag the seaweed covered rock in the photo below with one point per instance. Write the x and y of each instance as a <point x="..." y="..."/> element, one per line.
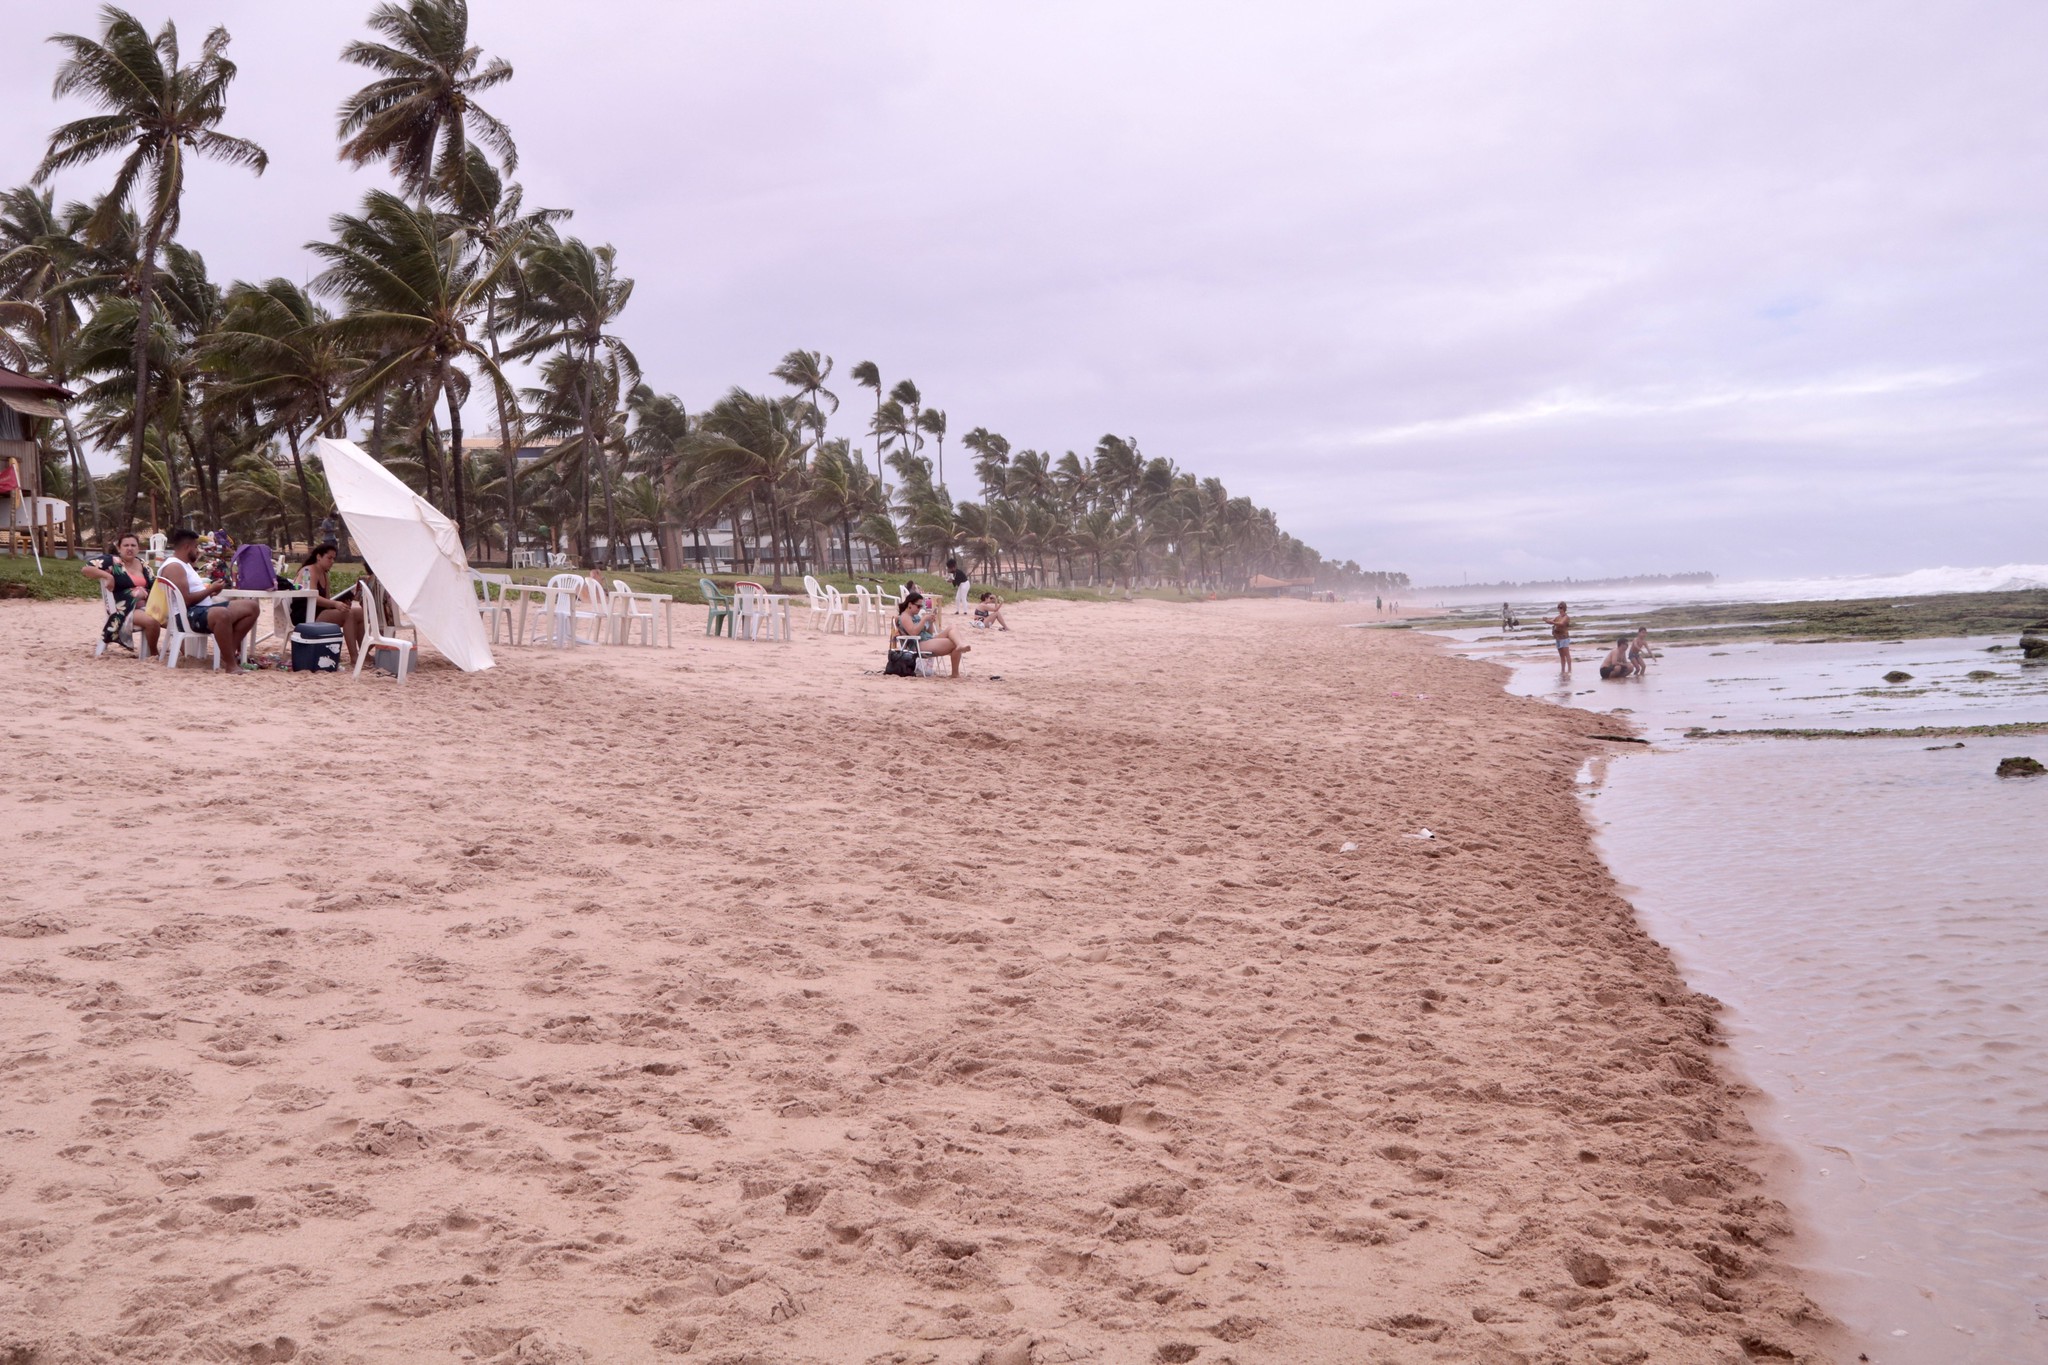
<point x="2034" y="646"/>
<point x="2020" y="767"/>
<point x="1898" y="675"/>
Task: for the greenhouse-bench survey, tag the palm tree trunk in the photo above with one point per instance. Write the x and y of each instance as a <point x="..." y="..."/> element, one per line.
<point x="455" y="457"/>
<point x="427" y="458"/>
<point x="145" y="297"/>
<point x="291" y="434"/>
<point x="92" y="487"/>
<point x="611" y="513"/>
<point x="775" y="533"/>
<point x="171" y="481"/>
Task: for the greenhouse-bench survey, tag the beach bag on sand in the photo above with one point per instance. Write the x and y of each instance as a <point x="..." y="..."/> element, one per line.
<point x="902" y="658"/>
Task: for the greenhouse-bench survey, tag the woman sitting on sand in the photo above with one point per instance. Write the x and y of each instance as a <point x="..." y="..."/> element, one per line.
<point x="989" y="612"/>
<point x="918" y="618"/>
<point x="1616" y="664"/>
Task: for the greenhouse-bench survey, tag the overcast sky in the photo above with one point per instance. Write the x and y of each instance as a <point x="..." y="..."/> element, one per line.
<point x="1500" y="290"/>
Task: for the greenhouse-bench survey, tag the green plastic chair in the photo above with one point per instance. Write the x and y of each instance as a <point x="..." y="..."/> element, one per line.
<point x="719" y="618"/>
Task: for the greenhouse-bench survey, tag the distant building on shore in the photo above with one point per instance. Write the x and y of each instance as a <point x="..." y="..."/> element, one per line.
<point x="27" y="402"/>
<point x="531" y="448"/>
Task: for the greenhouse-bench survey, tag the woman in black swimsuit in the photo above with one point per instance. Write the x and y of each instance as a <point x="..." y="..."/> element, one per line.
<point x="313" y="573"/>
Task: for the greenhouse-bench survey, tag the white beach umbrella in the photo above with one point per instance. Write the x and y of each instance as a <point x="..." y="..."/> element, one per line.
<point x="414" y="551"/>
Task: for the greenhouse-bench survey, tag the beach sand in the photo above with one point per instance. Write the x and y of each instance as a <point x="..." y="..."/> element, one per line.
<point x="725" y="1004"/>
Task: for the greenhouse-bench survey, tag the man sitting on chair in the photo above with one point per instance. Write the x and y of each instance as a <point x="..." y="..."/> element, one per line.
<point x="228" y="622"/>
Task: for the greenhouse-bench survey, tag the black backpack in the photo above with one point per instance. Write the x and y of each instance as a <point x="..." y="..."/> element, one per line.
<point x="902" y="658"/>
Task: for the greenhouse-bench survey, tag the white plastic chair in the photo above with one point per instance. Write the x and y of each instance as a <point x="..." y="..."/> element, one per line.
<point x="492" y="604"/>
<point x="108" y="607"/>
<point x="754" y="616"/>
<point x="836" y="612"/>
<point x="179" y="637"/>
<point x="567" y="611"/>
<point x="630" y="610"/>
<point x="375" y="636"/>
<point x="864" y="614"/>
<point x="818" y="607"/>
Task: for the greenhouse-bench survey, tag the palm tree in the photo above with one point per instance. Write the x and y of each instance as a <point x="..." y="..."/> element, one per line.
<point x="868" y="377"/>
<point x="277" y="349"/>
<point x="891" y="425"/>
<point x="991" y="458"/>
<point x="424" y="97"/>
<point x="659" y="441"/>
<point x="905" y="394"/>
<point x="413" y="282"/>
<point x="752" y="446"/>
<point x="494" y="211"/>
<point x="575" y="296"/>
<point x="934" y="422"/>
<point x="44" y="268"/>
<point x="806" y="372"/>
<point x="160" y="111"/>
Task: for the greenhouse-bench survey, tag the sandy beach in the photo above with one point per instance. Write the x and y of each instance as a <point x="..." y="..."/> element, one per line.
<point x="725" y="1004"/>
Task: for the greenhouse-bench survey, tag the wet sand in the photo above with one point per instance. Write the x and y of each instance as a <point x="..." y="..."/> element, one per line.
<point x="725" y="1004"/>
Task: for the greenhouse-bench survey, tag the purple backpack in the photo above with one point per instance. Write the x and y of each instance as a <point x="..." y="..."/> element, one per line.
<point x="253" y="568"/>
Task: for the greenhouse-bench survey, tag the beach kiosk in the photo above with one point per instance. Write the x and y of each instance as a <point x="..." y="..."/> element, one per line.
<point x="27" y="406"/>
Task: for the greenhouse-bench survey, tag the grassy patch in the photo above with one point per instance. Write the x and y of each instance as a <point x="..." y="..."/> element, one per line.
<point x="61" y="579"/>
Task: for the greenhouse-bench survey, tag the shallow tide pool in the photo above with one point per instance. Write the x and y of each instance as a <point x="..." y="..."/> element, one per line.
<point x="1874" y="913"/>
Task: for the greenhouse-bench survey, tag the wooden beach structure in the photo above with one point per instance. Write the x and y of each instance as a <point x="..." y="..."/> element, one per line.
<point x="27" y="406"/>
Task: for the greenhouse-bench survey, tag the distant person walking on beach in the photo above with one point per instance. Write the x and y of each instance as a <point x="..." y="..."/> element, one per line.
<point x="1561" y="635"/>
<point x="1639" y="652"/>
<point x="959" y="584"/>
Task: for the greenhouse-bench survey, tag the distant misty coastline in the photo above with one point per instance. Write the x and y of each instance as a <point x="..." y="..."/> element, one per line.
<point x="1640" y="580"/>
<point x="1705" y="588"/>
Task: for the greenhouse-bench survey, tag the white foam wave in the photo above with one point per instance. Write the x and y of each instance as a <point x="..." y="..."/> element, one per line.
<point x="1916" y="583"/>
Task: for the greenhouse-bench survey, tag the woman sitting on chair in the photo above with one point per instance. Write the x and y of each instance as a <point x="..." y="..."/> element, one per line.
<point x="327" y="608"/>
<point x="918" y="618"/>
<point x="125" y="574"/>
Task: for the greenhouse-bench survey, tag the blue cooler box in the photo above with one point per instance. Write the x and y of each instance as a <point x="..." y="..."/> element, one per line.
<point x="316" y="648"/>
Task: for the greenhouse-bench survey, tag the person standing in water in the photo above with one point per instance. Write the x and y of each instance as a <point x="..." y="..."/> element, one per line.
<point x="1561" y="635"/>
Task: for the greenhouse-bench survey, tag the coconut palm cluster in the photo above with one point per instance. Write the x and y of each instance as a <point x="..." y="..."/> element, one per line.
<point x="444" y="290"/>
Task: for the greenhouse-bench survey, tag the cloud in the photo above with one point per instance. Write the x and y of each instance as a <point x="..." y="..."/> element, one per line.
<point x="1566" y="406"/>
<point x="1448" y="286"/>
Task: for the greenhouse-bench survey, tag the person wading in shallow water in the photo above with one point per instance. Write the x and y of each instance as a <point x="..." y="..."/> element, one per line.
<point x="1561" y="635"/>
<point x="1616" y="664"/>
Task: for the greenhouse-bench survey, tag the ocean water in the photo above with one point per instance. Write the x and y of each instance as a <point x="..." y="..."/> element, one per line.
<point x="1874" y="914"/>
<point x="1914" y="583"/>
